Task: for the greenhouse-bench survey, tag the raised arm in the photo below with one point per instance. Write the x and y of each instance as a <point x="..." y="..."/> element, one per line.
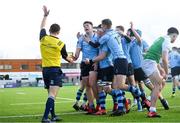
<point x="46" y="13"/>
<point x="137" y="36"/>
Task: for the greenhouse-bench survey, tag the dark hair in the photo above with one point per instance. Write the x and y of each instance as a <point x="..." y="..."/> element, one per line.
<point x="131" y="33"/>
<point x="97" y="27"/>
<point x="54" y="28"/>
<point x="174" y="48"/>
<point x="120" y="27"/>
<point x="89" y="22"/>
<point x="172" y="30"/>
<point x="137" y="30"/>
<point x="107" y="22"/>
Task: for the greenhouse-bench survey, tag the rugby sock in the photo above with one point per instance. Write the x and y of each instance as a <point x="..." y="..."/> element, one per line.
<point x="102" y="98"/>
<point x="49" y="106"/>
<point x="139" y="104"/>
<point x="53" y="111"/>
<point x="78" y="95"/>
<point x="91" y="105"/>
<point x="113" y="94"/>
<point x="85" y="98"/>
<point x="120" y="98"/>
<point x="173" y="90"/>
<point x="97" y="102"/>
<point x="134" y="90"/>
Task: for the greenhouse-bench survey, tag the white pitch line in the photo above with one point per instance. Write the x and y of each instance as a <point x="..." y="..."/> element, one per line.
<point x="42" y="103"/>
<point x="65" y="98"/>
<point x="67" y="113"/>
<point x="38" y="103"/>
<point x="21" y="93"/>
<point x="37" y="115"/>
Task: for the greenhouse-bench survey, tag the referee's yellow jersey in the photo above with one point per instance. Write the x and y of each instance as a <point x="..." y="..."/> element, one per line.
<point x="51" y="51"/>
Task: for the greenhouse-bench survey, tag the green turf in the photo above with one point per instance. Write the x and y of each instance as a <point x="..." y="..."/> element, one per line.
<point x="29" y="103"/>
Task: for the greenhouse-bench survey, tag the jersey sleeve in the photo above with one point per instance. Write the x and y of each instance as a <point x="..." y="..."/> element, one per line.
<point x="166" y="46"/>
<point x="42" y="33"/>
<point x="64" y="52"/>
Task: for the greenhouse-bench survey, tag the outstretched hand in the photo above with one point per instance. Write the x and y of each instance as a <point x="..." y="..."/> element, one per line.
<point x="78" y="35"/>
<point x="46" y="11"/>
<point x="70" y="59"/>
<point x="131" y="25"/>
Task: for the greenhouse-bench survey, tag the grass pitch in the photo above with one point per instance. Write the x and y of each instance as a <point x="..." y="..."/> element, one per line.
<point x="27" y="105"/>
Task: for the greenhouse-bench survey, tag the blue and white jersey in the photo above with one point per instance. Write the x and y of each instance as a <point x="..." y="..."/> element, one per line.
<point x="87" y="50"/>
<point x="174" y="59"/>
<point x="136" y="52"/>
<point x="113" y="41"/>
<point x="107" y="61"/>
<point x="126" y="48"/>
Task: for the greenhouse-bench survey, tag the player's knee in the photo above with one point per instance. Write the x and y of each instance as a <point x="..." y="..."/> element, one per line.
<point x="115" y="85"/>
<point x="89" y="85"/>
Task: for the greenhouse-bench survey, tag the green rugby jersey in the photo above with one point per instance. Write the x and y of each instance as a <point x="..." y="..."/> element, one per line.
<point x="155" y="51"/>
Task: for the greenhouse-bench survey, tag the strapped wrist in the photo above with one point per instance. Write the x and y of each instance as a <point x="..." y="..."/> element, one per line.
<point x="45" y="15"/>
<point x="91" y="61"/>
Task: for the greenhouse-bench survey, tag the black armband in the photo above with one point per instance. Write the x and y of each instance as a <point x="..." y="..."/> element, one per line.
<point x="95" y="45"/>
<point x="127" y="38"/>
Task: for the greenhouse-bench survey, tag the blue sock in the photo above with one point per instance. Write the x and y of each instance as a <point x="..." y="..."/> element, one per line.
<point x="134" y="90"/>
<point x="49" y="106"/>
<point x="139" y="104"/>
<point x="113" y="94"/>
<point x="173" y="90"/>
<point x="53" y="111"/>
<point x="85" y="98"/>
<point x="97" y="102"/>
<point x="120" y="98"/>
<point x="102" y="98"/>
<point x="91" y="105"/>
<point x="78" y="95"/>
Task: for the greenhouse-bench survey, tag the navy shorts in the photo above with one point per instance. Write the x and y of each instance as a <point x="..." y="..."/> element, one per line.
<point x="139" y="75"/>
<point x="85" y="69"/>
<point x="52" y="76"/>
<point x="106" y="74"/>
<point x="175" y="71"/>
<point x="130" y="71"/>
<point x="120" y="66"/>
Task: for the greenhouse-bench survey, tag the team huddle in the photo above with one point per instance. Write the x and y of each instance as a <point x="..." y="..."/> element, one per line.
<point x="113" y="62"/>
